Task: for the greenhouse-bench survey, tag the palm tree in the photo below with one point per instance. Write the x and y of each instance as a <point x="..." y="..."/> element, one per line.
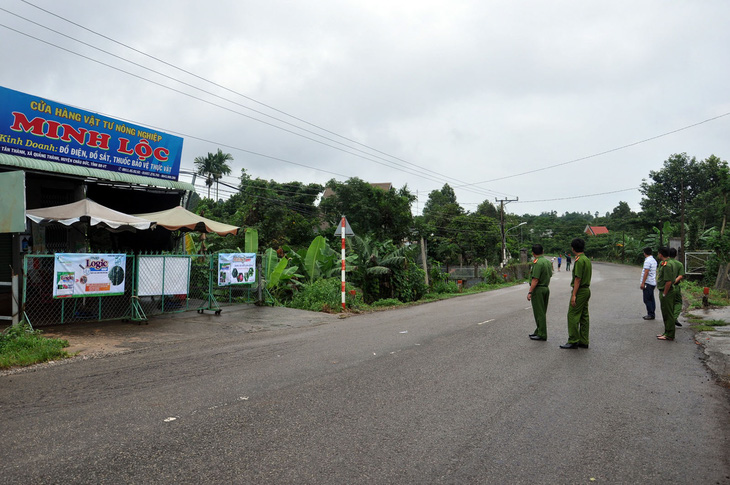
<point x="213" y="166"/>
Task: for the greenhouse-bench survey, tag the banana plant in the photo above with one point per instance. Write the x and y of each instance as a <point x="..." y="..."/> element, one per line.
<point x="318" y="261"/>
<point x="277" y="271"/>
<point x="251" y="243"/>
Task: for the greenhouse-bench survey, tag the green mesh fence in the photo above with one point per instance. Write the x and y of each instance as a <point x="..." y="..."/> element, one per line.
<point x="41" y="308"/>
<point x="156" y="284"/>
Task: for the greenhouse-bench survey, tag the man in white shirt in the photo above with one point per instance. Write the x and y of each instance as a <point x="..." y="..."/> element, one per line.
<point x="648" y="283"/>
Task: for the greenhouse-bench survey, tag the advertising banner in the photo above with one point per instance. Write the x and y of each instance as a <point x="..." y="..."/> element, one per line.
<point x="34" y="127"/>
<point x="78" y="274"/>
<point x="236" y="269"/>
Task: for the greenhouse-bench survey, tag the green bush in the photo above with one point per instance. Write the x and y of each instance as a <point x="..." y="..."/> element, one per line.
<point x="325" y="295"/>
<point x="712" y="267"/>
<point x="485" y="286"/>
<point x="386" y="302"/>
<point x="409" y="283"/>
<point x="445" y="287"/>
<point x="20" y="346"/>
<point x="491" y="276"/>
<point x="435" y="275"/>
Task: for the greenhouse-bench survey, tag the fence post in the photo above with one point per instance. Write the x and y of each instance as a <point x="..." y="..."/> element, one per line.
<point x="24" y="315"/>
<point x="259" y="292"/>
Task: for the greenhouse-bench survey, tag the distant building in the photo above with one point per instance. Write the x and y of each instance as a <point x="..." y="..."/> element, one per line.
<point x="596" y="230"/>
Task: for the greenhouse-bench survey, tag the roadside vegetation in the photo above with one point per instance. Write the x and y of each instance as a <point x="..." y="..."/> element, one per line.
<point x="693" y="292"/>
<point x="22" y="346"/>
<point x="685" y="199"/>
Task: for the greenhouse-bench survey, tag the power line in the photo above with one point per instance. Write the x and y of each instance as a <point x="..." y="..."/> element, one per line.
<point x="302" y="120"/>
<point x="578" y="196"/>
<point x="394" y="165"/>
<point x="601" y="153"/>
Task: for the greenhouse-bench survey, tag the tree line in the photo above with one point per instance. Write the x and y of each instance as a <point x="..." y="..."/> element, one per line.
<point x="685" y="198"/>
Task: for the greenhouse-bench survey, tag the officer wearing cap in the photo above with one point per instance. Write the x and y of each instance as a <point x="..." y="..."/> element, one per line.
<point x="666" y="275"/>
<point x="578" y="317"/>
<point x="677" y="291"/>
<point x="541" y="271"/>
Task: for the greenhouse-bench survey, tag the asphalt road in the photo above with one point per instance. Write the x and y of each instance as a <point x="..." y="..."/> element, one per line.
<point x="448" y="392"/>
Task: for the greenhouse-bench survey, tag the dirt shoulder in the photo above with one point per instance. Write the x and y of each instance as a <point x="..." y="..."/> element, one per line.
<point x="104" y="338"/>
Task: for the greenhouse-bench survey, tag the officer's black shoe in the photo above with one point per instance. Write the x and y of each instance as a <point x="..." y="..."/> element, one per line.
<point x="536" y="337"/>
<point x="569" y="346"/>
<point x="648" y="317"/>
<point x="532" y="335"/>
<point x="583" y="346"/>
<point x="678" y="324"/>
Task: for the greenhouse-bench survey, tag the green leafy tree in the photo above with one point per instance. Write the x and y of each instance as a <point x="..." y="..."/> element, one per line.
<point x="384" y="214"/>
<point x="283" y="214"/>
<point x="439" y="213"/>
<point x="685" y="186"/>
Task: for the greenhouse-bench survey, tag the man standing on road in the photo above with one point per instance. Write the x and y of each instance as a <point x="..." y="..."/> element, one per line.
<point x="578" y="318"/>
<point x="677" y="292"/>
<point x="539" y="293"/>
<point x="648" y="283"/>
<point x="666" y="275"/>
<point x="567" y="262"/>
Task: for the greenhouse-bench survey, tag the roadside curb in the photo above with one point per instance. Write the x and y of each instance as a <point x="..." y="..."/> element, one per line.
<point x="716" y="343"/>
<point x="716" y="346"/>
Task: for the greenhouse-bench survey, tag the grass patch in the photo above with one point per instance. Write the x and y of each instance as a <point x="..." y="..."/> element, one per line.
<point x="693" y="292"/>
<point x="699" y="323"/>
<point x="21" y="346"/>
<point x="707" y="328"/>
<point x="478" y="288"/>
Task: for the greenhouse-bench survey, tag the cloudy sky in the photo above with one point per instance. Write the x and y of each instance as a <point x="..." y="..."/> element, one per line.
<point x="554" y="103"/>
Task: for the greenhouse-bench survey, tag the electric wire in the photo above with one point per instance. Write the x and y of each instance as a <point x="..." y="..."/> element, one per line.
<point x="612" y="150"/>
<point x="311" y="124"/>
<point x="215" y="104"/>
<point x="393" y="165"/>
<point x="577" y="196"/>
<point x="233" y="91"/>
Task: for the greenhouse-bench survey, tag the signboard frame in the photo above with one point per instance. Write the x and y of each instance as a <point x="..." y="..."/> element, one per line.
<point x="34" y="127"/>
<point x="78" y="275"/>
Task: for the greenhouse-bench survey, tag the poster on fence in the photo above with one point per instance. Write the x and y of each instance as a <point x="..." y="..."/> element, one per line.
<point x="236" y="269"/>
<point x="163" y="275"/>
<point x="79" y="274"/>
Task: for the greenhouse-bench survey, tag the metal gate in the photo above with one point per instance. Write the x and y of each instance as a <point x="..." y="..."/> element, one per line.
<point x="695" y="262"/>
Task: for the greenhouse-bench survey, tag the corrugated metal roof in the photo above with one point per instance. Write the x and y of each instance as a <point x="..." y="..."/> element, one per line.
<point x="54" y="167"/>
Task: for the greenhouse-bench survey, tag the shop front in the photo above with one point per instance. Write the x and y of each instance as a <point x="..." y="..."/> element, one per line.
<point x="52" y="154"/>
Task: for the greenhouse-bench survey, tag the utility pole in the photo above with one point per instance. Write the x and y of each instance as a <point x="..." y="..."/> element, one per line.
<point x="502" y="202"/>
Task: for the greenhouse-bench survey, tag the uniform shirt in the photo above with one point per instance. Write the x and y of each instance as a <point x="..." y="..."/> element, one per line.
<point x="582" y="269"/>
<point x="541" y="269"/>
<point x="666" y="272"/>
<point x="679" y="268"/>
<point x="650" y="264"/>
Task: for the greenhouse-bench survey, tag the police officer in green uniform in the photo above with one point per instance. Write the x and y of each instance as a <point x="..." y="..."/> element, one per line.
<point x="540" y="273"/>
<point x="665" y="277"/>
<point x="677" y="291"/>
<point x="578" y="318"/>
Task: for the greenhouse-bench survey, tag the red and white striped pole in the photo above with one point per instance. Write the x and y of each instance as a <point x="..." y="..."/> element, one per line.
<point x="343" y="262"/>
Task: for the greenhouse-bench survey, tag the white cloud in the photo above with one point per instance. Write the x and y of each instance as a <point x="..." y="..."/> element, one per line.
<point x="473" y="90"/>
